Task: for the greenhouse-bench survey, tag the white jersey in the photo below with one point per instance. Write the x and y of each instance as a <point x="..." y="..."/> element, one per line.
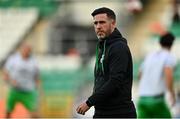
<point x="152" y="80"/>
<point x="23" y="71"/>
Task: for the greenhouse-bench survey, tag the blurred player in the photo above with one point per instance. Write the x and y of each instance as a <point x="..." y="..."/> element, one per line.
<point x="21" y="73"/>
<point x="156" y="77"/>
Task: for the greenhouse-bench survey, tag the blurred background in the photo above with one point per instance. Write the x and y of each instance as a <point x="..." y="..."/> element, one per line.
<point x="63" y="39"/>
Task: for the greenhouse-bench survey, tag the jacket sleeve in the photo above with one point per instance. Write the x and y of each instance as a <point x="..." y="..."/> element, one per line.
<point x="118" y="64"/>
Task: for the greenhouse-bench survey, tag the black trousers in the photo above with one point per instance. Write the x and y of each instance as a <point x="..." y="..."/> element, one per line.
<point x="126" y="115"/>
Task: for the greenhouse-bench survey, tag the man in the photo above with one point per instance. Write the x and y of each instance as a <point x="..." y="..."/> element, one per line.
<point x="156" y="76"/>
<point x="21" y="73"/>
<point x="113" y="71"/>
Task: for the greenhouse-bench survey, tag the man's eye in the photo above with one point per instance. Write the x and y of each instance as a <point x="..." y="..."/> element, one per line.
<point x="99" y="22"/>
<point x="95" y="23"/>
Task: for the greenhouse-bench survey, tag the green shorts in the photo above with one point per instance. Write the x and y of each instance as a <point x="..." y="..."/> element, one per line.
<point x="28" y="99"/>
<point x="150" y="107"/>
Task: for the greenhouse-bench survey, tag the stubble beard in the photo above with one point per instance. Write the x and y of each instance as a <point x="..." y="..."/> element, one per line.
<point x="101" y="36"/>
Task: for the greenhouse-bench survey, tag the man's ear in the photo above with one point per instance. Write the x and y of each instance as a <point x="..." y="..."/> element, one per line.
<point x="113" y="23"/>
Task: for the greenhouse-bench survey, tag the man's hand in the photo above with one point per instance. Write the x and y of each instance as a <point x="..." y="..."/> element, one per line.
<point x="82" y="108"/>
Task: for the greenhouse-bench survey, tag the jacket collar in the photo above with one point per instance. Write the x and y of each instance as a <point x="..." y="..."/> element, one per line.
<point x="113" y="37"/>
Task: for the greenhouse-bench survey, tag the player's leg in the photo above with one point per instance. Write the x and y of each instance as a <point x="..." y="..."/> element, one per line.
<point x="11" y="102"/>
<point x="161" y="109"/>
<point x="143" y="108"/>
<point x="29" y="100"/>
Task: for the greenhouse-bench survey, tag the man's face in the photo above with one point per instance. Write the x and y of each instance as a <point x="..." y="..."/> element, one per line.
<point x="103" y="25"/>
<point x="25" y="50"/>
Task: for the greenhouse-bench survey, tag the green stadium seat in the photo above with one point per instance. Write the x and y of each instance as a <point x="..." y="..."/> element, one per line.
<point x="45" y="7"/>
<point x="175" y="29"/>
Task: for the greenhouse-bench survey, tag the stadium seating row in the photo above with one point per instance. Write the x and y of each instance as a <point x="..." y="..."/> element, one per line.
<point x="14" y="24"/>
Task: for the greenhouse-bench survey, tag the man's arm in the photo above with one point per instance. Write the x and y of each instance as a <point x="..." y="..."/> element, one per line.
<point x="5" y="75"/>
<point x="7" y="78"/>
<point x="37" y="81"/>
<point x="139" y="75"/>
<point x="168" y="71"/>
<point x="140" y="71"/>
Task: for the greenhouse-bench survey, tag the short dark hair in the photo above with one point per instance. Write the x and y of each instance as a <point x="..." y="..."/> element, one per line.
<point x="110" y="13"/>
<point x="167" y="39"/>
